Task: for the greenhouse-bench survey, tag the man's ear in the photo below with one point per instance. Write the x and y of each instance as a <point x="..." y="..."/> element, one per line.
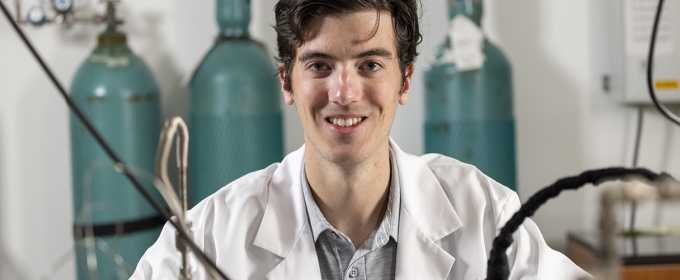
<point x="407" y="85"/>
<point x="287" y="94"/>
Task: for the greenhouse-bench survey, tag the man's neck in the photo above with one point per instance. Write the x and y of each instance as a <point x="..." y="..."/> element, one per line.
<point x="352" y="199"/>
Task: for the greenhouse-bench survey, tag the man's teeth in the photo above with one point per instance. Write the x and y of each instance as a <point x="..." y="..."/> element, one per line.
<point x="346" y="122"/>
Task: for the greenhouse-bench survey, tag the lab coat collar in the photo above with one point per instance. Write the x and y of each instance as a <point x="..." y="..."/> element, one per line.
<point x="426" y="217"/>
<point x="284" y="230"/>
<point x="423" y="198"/>
<point x="285" y="216"/>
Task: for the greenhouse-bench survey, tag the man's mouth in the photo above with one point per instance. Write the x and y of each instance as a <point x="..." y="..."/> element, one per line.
<point x="345" y="122"/>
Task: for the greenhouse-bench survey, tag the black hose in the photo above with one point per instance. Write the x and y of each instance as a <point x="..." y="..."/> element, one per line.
<point x="498" y="263"/>
<point x="497" y="266"/>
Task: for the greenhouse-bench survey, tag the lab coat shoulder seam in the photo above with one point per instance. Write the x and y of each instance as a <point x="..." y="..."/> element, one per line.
<point x="503" y="209"/>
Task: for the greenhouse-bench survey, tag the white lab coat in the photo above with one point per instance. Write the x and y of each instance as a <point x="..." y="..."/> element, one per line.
<point x="257" y="227"/>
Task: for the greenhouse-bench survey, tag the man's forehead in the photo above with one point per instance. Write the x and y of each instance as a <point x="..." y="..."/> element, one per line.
<point x="363" y="32"/>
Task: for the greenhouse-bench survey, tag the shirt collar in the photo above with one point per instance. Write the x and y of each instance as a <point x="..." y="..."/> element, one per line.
<point x="389" y="227"/>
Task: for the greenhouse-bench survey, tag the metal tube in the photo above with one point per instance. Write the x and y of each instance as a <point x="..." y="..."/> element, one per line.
<point x="182" y="163"/>
<point x="667" y="188"/>
<point x="177" y="126"/>
<point x="164" y="144"/>
<point x="17" y="4"/>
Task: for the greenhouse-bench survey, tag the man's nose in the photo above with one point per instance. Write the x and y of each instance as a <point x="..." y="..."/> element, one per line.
<point x="345" y="87"/>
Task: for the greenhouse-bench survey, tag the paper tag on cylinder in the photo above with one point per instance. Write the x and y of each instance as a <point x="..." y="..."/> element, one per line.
<point x="467" y="41"/>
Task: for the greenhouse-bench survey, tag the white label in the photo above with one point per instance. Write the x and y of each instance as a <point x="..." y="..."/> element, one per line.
<point x="467" y="42"/>
<point x="639" y="22"/>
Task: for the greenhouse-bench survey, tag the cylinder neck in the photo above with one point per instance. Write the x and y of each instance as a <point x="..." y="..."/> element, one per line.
<point x="469" y="8"/>
<point x="233" y="16"/>
<point x="112" y="37"/>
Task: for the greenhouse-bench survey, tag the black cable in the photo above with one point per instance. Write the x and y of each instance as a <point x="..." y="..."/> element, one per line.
<point x="109" y="151"/>
<point x="636" y="152"/>
<point x="497" y="266"/>
<point x="650" y="59"/>
<point x="638" y="136"/>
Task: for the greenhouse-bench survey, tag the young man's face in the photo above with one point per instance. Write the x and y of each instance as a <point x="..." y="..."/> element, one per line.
<point x="340" y="78"/>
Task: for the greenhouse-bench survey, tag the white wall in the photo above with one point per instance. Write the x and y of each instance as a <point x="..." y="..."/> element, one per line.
<point x="565" y="124"/>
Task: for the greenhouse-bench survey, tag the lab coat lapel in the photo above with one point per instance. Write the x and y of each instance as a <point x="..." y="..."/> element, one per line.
<point x="426" y="216"/>
<point x="284" y="230"/>
<point x="301" y="262"/>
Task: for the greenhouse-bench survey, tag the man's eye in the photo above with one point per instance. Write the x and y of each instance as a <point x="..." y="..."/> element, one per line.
<point x="318" y="66"/>
<point x="372" y="66"/>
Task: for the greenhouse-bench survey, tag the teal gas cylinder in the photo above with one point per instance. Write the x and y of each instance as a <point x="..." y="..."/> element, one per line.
<point x="235" y="120"/>
<point x="117" y="91"/>
<point x="469" y="109"/>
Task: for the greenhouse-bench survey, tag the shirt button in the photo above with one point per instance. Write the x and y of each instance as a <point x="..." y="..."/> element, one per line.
<point x="353" y="273"/>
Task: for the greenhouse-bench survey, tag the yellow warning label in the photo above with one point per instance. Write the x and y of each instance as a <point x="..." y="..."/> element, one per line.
<point x="666" y="84"/>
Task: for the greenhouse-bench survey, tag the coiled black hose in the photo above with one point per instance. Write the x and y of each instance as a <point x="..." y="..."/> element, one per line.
<point x="497" y="266"/>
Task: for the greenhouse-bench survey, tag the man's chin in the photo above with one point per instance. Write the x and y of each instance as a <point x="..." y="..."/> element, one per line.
<point x="345" y="158"/>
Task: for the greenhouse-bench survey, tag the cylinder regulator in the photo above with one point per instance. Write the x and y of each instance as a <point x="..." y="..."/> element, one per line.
<point x="468" y="98"/>
<point x="235" y="119"/>
<point x="113" y="222"/>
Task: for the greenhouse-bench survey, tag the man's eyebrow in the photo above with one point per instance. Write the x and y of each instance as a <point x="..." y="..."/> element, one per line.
<point x="313" y="54"/>
<point x="372" y="52"/>
<point x="375" y="52"/>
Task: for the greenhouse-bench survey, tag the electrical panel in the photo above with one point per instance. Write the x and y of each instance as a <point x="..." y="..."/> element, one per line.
<point x="626" y="36"/>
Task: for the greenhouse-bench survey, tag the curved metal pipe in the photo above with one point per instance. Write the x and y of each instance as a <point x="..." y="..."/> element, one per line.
<point x="179" y="206"/>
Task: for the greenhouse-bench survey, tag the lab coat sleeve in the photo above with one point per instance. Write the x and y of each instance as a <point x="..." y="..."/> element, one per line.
<point x="529" y="257"/>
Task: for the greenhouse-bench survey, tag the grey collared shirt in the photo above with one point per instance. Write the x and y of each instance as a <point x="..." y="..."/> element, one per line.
<point x="338" y="259"/>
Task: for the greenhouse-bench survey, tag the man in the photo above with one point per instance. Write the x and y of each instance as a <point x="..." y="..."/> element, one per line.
<point x="350" y="204"/>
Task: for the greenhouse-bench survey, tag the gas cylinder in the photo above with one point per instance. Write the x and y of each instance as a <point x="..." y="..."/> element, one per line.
<point x="468" y="98"/>
<point x="118" y="93"/>
<point x="235" y="117"/>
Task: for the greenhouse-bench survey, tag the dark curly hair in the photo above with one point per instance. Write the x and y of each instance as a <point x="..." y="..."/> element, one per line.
<point x="293" y="15"/>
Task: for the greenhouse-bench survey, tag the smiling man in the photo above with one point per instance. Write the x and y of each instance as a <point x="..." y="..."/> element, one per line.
<point x="350" y="204"/>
